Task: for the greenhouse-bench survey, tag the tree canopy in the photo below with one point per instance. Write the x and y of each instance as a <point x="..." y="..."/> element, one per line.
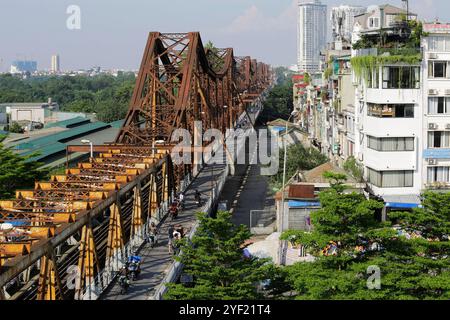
<point x="410" y="252"/>
<point x="17" y="173"/>
<point x="215" y="258"/>
<point x="107" y="96"/>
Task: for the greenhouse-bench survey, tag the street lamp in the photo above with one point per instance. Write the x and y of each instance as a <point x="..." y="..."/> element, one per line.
<point x="85" y="141"/>
<point x="154" y="144"/>
<point x="293" y="114"/>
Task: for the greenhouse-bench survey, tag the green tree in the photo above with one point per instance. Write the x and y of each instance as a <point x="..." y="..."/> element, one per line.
<point x="216" y="261"/>
<point x="17" y="173"/>
<point x="299" y="158"/>
<point x="412" y="267"/>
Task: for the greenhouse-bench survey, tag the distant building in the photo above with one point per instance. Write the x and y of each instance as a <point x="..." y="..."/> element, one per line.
<point x="32" y="112"/>
<point x="312" y="29"/>
<point x="55" y="64"/>
<point x="21" y="66"/>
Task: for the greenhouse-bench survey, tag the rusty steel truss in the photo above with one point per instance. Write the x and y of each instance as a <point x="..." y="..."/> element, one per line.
<point x="70" y="233"/>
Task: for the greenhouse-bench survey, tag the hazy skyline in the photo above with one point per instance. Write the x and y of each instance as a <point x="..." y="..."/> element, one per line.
<point x="113" y="33"/>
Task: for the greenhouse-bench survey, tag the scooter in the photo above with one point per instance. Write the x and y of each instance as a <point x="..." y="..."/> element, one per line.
<point x="134" y="270"/>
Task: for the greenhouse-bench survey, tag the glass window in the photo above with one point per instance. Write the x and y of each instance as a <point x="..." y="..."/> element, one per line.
<point x="439" y="105"/>
<point x="390" y="144"/>
<point x="391" y="179"/>
<point x="439" y="139"/>
<point x="438" y="174"/>
<point x="390" y="110"/>
<point x="401" y="77"/>
<point x="438" y="69"/>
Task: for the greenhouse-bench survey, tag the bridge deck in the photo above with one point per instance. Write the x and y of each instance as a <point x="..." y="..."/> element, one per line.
<point x="156" y="261"/>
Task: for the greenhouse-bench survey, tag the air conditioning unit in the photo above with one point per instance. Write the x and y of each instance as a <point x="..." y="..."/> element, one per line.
<point x="432" y="56"/>
<point x="447" y="126"/>
<point x="432" y="126"/>
<point x="433" y="92"/>
<point x="447" y="92"/>
<point x="432" y="162"/>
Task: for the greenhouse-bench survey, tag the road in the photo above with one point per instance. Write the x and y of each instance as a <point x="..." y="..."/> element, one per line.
<point x="247" y="189"/>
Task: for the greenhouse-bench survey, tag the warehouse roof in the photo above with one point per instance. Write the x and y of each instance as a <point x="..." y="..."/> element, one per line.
<point x="55" y="143"/>
<point x="70" y="123"/>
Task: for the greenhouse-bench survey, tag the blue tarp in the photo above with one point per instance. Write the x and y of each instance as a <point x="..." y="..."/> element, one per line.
<point x="303" y="204"/>
<point x="397" y="205"/>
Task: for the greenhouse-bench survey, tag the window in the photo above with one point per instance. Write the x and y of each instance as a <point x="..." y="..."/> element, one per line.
<point x="439" y="44"/>
<point x="439" y="105"/>
<point x="439" y="139"/>
<point x="438" y="69"/>
<point x="374" y="23"/>
<point x="391" y="179"/>
<point x="439" y="174"/>
<point x="401" y="77"/>
<point x="390" y="110"/>
<point x="390" y="144"/>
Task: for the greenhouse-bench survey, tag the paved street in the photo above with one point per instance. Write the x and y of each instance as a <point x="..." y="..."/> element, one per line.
<point x="247" y="190"/>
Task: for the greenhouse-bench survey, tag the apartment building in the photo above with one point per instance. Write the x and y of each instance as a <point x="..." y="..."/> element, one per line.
<point x="436" y="99"/>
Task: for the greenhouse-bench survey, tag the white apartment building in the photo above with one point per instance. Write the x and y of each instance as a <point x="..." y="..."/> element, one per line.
<point x="389" y="103"/>
<point x="436" y="99"/>
<point x="311" y="31"/>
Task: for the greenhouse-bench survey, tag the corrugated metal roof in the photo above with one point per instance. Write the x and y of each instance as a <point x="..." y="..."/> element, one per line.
<point x="39" y="143"/>
<point x="46" y="151"/>
<point x="117" y="124"/>
<point x="68" y="123"/>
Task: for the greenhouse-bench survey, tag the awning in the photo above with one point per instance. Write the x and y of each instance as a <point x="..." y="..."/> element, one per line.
<point x="397" y="205"/>
<point x="402" y="201"/>
<point x="303" y="204"/>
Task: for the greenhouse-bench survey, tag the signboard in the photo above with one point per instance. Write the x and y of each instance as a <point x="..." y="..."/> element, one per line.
<point x="436" y="154"/>
<point x="436" y="27"/>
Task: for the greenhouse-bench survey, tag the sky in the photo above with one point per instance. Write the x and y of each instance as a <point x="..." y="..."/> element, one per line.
<point x="113" y="33"/>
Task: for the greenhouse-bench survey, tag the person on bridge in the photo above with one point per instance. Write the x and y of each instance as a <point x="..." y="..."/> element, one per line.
<point x="170" y="234"/>
<point x="198" y="197"/>
<point x="153" y="234"/>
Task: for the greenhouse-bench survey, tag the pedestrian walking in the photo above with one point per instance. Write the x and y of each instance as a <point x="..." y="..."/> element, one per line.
<point x="153" y="234"/>
<point x="170" y="234"/>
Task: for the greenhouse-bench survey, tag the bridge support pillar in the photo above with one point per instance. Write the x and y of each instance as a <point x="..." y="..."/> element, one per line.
<point x="48" y="283"/>
<point x="114" y="260"/>
<point x="87" y="263"/>
<point x="137" y="234"/>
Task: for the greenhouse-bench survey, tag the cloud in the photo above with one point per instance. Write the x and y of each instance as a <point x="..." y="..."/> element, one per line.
<point x="253" y="19"/>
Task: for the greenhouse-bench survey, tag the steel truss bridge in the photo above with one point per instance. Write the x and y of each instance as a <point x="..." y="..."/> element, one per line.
<point x="89" y="217"/>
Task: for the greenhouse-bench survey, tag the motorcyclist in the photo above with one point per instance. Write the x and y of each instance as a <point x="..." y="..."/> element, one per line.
<point x="181" y="199"/>
<point x="198" y="197"/>
<point x="173" y="210"/>
<point x="153" y="232"/>
<point x="134" y="266"/>
<point x="124" y="282"/>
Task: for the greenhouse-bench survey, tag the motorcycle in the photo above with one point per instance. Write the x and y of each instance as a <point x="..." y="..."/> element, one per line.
<point x="124" y="283"/>
<point x="134" y="267"/>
